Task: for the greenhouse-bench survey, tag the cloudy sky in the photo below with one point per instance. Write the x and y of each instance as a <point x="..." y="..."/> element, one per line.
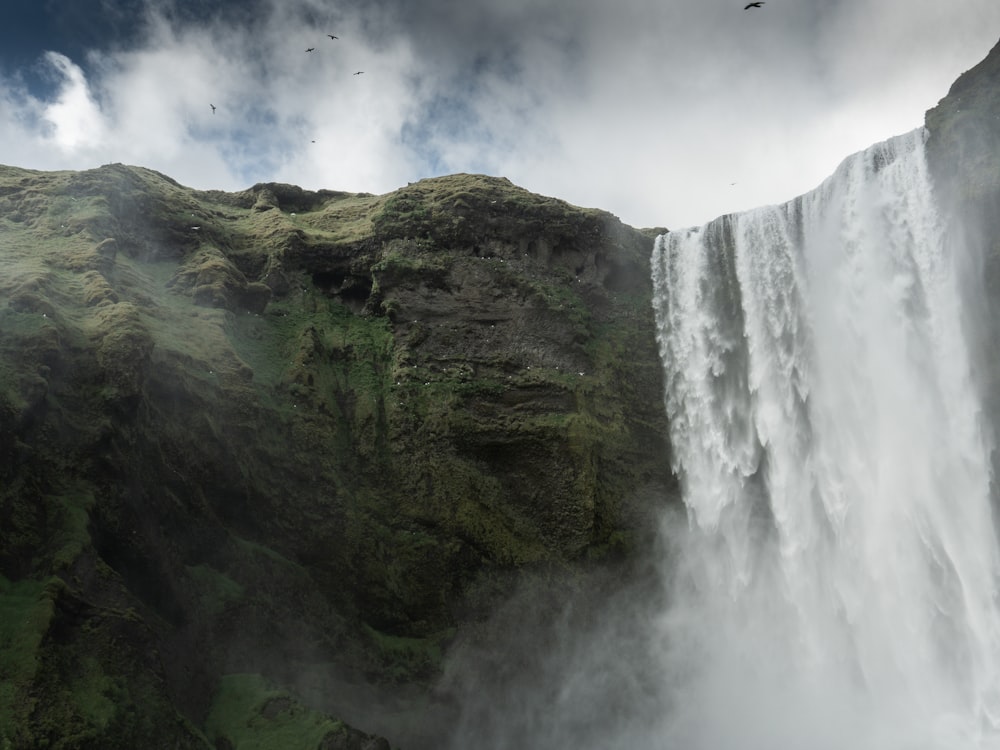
<point x="665" y="112"/>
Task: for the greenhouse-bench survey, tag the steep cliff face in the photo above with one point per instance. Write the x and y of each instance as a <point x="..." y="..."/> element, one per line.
<point x="964" y="144"/>
<point x="285" y="439"/>
<point x="963" y="152"/>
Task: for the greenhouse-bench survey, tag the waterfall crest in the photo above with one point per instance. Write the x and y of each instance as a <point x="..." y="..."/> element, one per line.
<point x="840" y="570"/>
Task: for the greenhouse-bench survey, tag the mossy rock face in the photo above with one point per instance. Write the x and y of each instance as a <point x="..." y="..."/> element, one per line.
<point x="249" y="713"/>
<point x="305" y="435"/>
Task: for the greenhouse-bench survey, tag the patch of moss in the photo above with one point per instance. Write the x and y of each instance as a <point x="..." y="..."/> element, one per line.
<point x="251" y="713"/>
<point x="71" y="535"/>
<point x="404" y="215"/>
<point x="85" y="701"/>
<point x="418" y="261"/>
<point x="407" y="660"/>
<point x="215" y="589"/>
<point x="25" y="613"/>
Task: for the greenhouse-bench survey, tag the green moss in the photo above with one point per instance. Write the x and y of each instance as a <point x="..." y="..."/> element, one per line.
<point x="72" y="536"/>
<point x="403" y="216"/>
<point x="308" y="469"/>
<point x="254" y="550"/>
<point x="94" y="694"/>
<point x="95" y="689"/>
<point x="416" y="260"/>
<point x="408" y="659"/>
<point x="25" y="612"/>
<point x="216" y="590"/>
<point x="254" y="714"/>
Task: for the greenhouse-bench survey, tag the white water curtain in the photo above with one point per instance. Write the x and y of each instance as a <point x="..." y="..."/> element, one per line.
<point x="840" y="569"/>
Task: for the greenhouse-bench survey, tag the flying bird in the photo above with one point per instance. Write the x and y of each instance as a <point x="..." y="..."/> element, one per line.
<point x="359" y="72"/>
<point x="748" y="6"/>
<point x="310" y="49"/>
<point x="213" y="108"/>
<point x="332" y="36"/>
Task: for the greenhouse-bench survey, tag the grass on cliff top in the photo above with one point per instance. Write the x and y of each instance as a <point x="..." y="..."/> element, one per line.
<point x="345" y="220"/>
<point x="433" y="206"/>
<point x="182" y="330"/>
<point x="253" y="714"/>
<point x="460" y="191"/>
<point x="51" y="226"/>
<point x="105" y="201"/>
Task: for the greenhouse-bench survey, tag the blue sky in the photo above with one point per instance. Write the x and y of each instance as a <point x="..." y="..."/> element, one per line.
<point x="665" y="113"/>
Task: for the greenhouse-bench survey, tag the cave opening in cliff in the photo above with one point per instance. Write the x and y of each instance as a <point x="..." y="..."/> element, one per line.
<point x="351" y="290"/>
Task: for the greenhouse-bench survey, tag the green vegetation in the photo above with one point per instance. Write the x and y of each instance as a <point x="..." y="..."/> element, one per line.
<point x="250" y="713"/>
<point x="406" y="660"/>
<point x="25" y="612"/>
<point x="216" y="589"/>
<point x="247" y="434"/>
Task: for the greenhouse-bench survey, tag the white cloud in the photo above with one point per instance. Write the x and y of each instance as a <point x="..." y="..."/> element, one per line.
<point x="75" y="118"/>
<point x="648" y="109"/>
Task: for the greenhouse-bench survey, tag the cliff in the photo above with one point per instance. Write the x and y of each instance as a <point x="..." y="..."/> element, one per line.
<point x="262" y="454"/>
<point x="963" y="152"/>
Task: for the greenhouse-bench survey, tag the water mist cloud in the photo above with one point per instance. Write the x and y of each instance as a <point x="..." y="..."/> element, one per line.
<point x="563" y="664"/>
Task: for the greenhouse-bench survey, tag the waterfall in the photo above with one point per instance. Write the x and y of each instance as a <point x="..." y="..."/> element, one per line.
<point x="839" y="577"/>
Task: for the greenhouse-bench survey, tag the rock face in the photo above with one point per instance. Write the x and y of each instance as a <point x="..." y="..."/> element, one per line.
<point x="963" y="152"/>
<point x="277" y="446"/>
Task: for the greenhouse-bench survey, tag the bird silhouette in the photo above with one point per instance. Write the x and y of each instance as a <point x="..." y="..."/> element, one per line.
<point x="310" y="49"/>
<point x="332" y="36"/>
<point x="213" y="108"/>
<point x="748" y="6"/>
<point x="359" y="72"/>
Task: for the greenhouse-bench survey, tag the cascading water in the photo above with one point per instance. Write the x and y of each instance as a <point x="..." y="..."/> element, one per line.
<point x="839" y="582"/>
